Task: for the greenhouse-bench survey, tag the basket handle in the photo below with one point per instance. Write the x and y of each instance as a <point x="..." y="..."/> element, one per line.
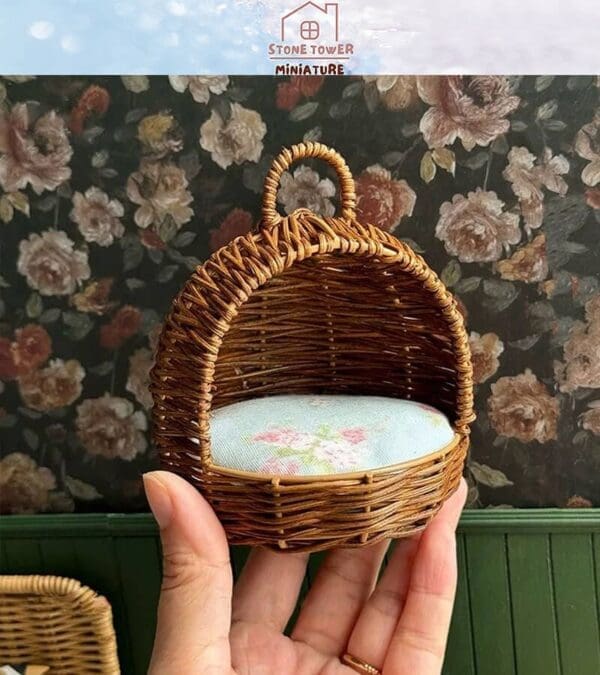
<point x="282" y="162"/>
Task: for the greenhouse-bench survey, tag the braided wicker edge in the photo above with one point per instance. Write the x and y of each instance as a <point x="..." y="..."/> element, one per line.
<point x="83" y="599"/>
<point x="347" y="510"/>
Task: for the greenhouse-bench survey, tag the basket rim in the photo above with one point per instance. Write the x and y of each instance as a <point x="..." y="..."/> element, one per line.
<point x="332" y="477"/>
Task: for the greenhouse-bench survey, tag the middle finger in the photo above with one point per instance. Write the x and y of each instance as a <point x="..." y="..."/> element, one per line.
<point x="344" y="582"/>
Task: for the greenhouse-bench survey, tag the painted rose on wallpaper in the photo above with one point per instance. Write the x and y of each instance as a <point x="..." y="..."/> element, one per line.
<point x="303" y="188"/>
<point x="382" y="200"/>
<point x="473" y="109"/>
<point x="51" y="263"/>
<point x="112" y="190"/>
<point x="476" y="228"/>
<point x="33" y="153"/>
<point x="97" y="216"/>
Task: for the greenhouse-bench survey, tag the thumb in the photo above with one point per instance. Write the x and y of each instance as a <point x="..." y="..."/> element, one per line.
<point x="194" y="610"/>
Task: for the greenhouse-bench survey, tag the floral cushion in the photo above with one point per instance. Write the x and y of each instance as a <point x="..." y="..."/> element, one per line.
<point x="313" y="435"/>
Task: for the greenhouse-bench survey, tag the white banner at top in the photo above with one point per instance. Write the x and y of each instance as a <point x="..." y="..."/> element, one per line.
<point x="296" y="37"/>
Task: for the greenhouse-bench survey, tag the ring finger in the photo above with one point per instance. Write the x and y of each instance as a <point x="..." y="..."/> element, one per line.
<point x="373" y="631"/>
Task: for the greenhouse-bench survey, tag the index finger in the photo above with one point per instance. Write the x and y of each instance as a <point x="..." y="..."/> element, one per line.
<point x="419" y="641"/>
<point x="194" y="610"/>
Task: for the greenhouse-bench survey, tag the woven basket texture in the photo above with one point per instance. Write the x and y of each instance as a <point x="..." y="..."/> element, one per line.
<point x="312" y="304"/>
<point x="56" y="622"/>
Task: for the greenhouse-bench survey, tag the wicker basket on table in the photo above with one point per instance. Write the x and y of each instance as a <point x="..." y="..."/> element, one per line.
<point x="56" y="622"/>
<point x="312" y="304"/>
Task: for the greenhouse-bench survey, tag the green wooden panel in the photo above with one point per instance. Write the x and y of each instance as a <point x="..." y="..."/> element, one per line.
<point x="576" y="609"/>
<point x="532" y="597"/>
<point x="118" y="556"/>
<point x="238" y="555"/>
<point x="459" y="653"/>
<point x="312" y="568"/>
<point x="58" y="554"/>
<point x="489" y="592"/>
<point x="139" y="572"/>
<point x="99" y="569"/>
<point x="23" y="556"/>
<point x="596" y="557"/>
<point x="3" y="561"/>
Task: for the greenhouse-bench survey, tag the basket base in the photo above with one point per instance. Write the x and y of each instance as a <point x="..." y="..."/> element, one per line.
<point x="293" y="514"/>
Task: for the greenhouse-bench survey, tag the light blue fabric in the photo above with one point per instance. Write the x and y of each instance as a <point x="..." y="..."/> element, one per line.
<point x="315" y="435"/>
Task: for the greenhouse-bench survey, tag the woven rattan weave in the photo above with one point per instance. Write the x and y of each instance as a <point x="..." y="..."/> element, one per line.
<point x="56" y="622"/>
<point x="312" y="304"/>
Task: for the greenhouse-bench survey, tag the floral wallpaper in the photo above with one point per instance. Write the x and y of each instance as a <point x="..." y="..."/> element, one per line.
<point x="112" y="189"/>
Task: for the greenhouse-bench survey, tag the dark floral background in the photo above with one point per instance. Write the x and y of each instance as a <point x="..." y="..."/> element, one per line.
<point x="114" y="188"/>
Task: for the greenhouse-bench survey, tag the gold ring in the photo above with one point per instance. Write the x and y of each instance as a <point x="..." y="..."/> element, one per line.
<point x="360" y="666"/>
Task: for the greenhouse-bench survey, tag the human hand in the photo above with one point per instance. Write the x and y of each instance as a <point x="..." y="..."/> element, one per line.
<point x="205" y="626"/>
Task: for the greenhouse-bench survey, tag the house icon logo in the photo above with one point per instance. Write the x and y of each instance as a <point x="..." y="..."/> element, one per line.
<point x="310" y="43"/>
<point x="311" y="21"/>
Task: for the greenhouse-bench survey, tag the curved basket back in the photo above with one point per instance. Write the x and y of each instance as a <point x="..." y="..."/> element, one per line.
<point x="306" y="305"/>
<point x="57" y="622"/>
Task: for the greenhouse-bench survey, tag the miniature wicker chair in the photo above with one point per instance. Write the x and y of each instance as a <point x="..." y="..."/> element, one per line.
<point x="56" y="622"/>
<point x="312" y="304"/>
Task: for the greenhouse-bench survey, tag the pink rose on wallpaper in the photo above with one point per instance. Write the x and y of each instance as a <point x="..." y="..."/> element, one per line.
<point x="383" y="200"/>
<point x="281" y="467"/>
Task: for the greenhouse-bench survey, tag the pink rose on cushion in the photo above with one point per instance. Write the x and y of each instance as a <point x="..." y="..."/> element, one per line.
<point x="354" y="435"/>
<point x="289" y="438"/>
<point x="269" y="436"/>
<point x="281" y="467"/>
<point x="339" y="454"/>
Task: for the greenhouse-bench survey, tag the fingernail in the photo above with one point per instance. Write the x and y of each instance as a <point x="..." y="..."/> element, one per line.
<point x="158" y="498"/>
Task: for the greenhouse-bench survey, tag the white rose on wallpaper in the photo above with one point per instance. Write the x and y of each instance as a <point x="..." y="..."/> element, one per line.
<point x="26" y="487"/>
<point x="590" y="419"/>
<point x="55" y="386"/>
<point x="35" y="155"/>
<point x="161" y="190"/>
<point x="138" y="381"/>
<point x="136" y="83"/>
<point x="237" y="140"/>
<point x="581" y="367"/>
<point x="528" y="176"/>
<point x="473" y="109"/>
<point x="529" y="263"/>
<point x="397" y="92"/>
<point x="475" y="228"/>
<point x="521" y="407"/>
<point x="51" y="264"/>
<point x="110" y="427"/>
<point x="587" y="145"/>
<point x="98" y="216"/>
<point x="485" y="353"/>
<point x="305" y="189"/>
<point x="200" y="86"/>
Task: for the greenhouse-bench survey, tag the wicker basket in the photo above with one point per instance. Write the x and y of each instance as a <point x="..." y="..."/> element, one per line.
<point x="312" y="304"/>
<point x="56" y="622"/>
